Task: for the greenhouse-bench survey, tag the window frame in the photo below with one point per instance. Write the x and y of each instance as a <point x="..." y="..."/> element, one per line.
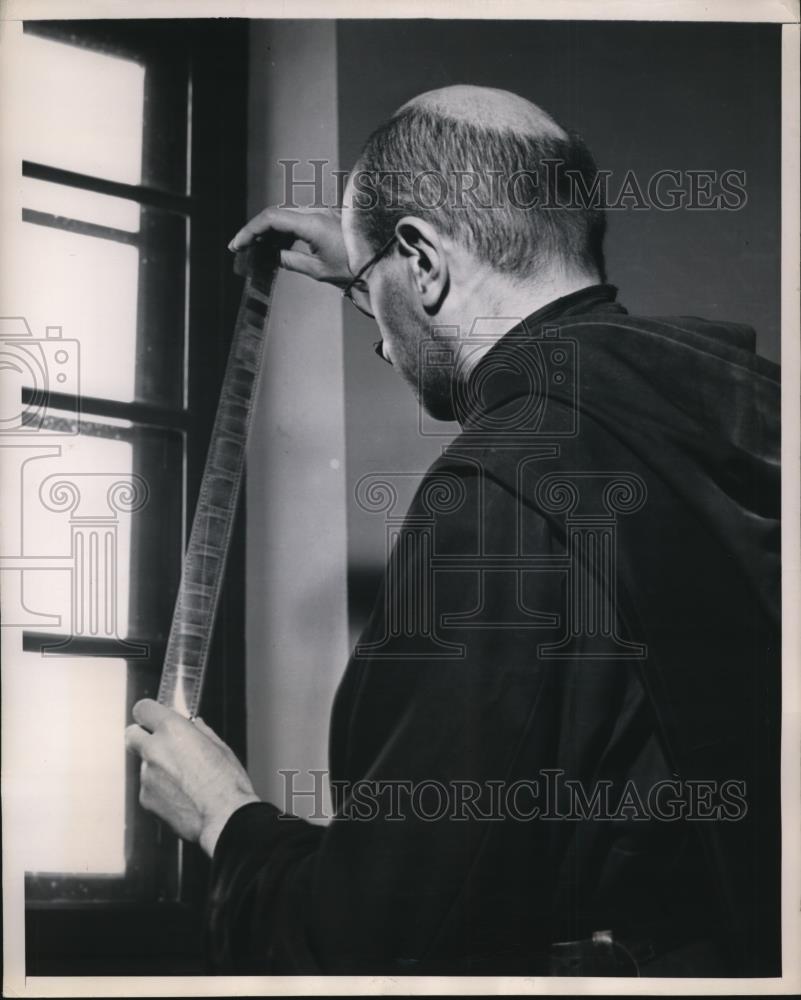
<point x="154" y="921"/>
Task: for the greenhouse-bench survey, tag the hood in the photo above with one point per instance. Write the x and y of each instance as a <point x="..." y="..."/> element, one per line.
<point x="682" y="401"/>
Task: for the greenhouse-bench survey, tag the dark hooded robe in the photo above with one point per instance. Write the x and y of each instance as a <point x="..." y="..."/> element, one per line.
<point x="560" y="728"/>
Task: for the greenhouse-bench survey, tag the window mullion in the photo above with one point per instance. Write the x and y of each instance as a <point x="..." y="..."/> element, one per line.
<point x="152" y="197"/>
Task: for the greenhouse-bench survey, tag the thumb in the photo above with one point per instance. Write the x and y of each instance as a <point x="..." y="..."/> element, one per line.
<point x="301" y="262"/>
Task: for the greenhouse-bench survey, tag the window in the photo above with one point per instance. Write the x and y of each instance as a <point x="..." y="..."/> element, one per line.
<point x="132" y="182"/>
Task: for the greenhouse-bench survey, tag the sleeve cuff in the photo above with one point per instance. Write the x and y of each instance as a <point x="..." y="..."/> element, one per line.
<point x="245" y="828"/>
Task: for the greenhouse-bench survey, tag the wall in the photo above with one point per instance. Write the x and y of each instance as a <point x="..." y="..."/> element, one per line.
<point x="296" y="557"/>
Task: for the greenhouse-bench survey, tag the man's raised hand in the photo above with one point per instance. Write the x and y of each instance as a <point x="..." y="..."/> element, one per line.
<point x="318" y="250"/>
<point x="189" y="777"/>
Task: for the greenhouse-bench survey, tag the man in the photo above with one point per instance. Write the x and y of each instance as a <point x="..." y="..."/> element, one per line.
<point x="555" y="747"/>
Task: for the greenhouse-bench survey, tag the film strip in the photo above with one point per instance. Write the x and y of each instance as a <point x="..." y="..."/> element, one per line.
<point x="188" y="646"/>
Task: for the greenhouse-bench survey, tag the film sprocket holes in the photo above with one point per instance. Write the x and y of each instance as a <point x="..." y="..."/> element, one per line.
<point x="31" y="368"/>
<point x="546" y="364"/>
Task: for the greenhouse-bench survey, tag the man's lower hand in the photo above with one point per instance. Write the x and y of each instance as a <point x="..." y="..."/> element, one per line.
<point x="189" y="777"/>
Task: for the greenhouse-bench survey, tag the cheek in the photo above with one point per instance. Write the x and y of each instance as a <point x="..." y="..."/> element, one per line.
<point x="396" y="319"/>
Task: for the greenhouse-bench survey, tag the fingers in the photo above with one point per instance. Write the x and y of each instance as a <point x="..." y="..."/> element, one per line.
<point x="150" y="715"/>
<point x="136" y="740"/>
<point x="302" y="263"/>
<point x="300" y="223"/>
<point x="156" y="785"/>
<point x="148" y="746"/>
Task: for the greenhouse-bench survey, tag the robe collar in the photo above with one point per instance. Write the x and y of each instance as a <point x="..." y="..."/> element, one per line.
<point x="594" y="298"/>
<point x="584" y="300"/>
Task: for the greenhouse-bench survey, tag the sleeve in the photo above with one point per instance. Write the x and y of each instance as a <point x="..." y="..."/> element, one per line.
<point x="257" y="870"/>
<point x="417" y="871"/>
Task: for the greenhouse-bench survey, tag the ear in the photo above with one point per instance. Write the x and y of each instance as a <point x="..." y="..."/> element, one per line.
<point x="426" y="257"/>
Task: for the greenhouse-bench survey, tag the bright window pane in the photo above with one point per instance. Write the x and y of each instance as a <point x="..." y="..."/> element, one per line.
<point x="73" y="203"/>
<point x="84" y="109"/>
<point x="72" y="525"/>
<point x="88" y="287"/>
<point x="65" y="765"/>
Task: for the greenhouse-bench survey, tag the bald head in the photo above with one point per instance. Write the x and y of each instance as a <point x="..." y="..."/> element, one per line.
<point x="477" y="163"/>
<point x="488" y="107"/>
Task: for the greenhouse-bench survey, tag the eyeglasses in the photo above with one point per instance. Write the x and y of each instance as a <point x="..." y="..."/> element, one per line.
<point x="356" y="289"/>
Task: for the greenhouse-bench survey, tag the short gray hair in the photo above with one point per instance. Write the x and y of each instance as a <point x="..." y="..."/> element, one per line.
<point x="513" y="198"/>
